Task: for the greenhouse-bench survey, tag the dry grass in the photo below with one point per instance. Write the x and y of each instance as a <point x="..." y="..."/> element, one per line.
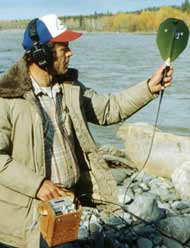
<point x="145" y="21"/>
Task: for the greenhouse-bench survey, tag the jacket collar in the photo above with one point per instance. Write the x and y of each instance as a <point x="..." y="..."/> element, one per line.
<point x="16" y="81"/>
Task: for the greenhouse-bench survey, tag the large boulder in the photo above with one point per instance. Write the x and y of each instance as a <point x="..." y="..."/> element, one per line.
<point x="181" y="179"/>
<point x="168" y="152"/>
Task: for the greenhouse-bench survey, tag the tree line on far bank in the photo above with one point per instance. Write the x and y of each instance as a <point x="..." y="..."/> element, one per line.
<point x="147" y="20"/>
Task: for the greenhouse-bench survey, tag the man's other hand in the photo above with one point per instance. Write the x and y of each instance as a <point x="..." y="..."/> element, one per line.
<point x="48" y="191"/>
<point x="154" y="82"/>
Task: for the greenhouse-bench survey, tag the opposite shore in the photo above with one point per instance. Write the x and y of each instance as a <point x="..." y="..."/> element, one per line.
<point x="141" y="21"/>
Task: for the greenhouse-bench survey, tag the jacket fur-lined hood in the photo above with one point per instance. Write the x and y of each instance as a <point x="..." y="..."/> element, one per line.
<point x="16" y="81"/>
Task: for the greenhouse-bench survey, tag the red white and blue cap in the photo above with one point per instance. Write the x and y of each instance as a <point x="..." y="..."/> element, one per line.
<point x="50" y="28"/>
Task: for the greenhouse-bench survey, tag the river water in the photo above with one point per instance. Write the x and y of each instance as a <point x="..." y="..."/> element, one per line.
<point x="111" y="62"/>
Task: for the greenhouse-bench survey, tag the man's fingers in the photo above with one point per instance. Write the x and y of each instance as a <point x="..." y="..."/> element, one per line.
<point x="167" y="79"/>
<point x="50" y="194"/>
<point x="170" y="72"/>
<point x="157" y="83"/>
<point x="45" y="198"/>
<point x="48" y="191"/>
<point x="54" y="193"/>
<point x="162" y="67"/>
<point x="167" y="84"/>
<point x="60" y="192"/>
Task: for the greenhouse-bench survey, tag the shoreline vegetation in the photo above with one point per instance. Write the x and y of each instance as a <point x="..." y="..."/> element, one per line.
<point x="147" y="20"/>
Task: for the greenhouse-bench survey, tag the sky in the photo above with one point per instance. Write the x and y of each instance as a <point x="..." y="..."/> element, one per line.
<point x="28" y="9"/>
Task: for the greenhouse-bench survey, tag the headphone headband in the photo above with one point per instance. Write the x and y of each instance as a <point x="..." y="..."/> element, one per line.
<point x="33" y="30"/>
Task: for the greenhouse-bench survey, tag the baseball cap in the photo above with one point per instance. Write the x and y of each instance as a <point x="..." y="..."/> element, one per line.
<point x="49" y="28"/>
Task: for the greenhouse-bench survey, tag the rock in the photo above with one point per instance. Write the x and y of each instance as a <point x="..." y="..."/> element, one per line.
<point x="138" y="191"/>
<point x="144" y="177"/>
<point x="180" y="205"/>
<point x="67" y="245"/>
<point x="128" y="218"/>
<point x="144" y="230"/>
<point x="185" y="211"/>
<point x="114" y="155"/>
<point x="83" y="233"/>
<point x="134" y="185"/>
<point x="112" y="243"/>
<point x="188" y="244"/>
<point x="145" y="206"/>
<point x="114" y="219"/>
<point x="181" y="179"/>
<point x="170" y="243"/>
<point x="156" y="239"/>
<point x="119" y="175"/>
<point x="89" y="222"/>
<point x="164" y="194"/>
<point x="116" y="160"/>
<point x="144" y="187"/>
<point x="96" y="235"/>
<point x="126" y="246"/>
<point x="144" y="243"/>
<point x="129" y="172"/>
<point x="169" y="151"/>
<point x="109" y="149"/>
<point x="123" y="192"/>
<point x="166" y="206"/>
<point x="166" y="183"/>
<point x="161" y="188"/>
<point x="177" y="227"/>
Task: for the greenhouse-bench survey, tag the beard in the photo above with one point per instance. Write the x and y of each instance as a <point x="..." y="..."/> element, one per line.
<point x="60" y="69"/>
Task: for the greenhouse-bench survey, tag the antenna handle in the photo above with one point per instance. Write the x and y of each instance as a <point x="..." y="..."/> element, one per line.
<point x="165" y="71"/>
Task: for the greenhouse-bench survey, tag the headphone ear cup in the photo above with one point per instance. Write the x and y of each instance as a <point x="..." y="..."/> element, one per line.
<point x="42" y="55"/>
<point x="48" y="51"/>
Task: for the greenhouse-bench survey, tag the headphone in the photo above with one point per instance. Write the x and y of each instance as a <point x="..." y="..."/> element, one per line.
<point x="41" y="54"/>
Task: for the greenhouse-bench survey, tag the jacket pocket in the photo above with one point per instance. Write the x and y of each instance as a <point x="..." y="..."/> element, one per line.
<point x="13" y="197"/>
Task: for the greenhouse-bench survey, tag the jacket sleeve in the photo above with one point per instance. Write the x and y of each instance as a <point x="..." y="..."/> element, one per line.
<point x="110" y="109"/>
<point x="13" y="175"/>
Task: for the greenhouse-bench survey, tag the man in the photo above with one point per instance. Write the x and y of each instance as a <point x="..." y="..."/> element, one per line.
<point x="45" y="142"/>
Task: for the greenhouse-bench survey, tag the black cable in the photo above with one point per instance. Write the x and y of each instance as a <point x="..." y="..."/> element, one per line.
<point x="151" y="145"/>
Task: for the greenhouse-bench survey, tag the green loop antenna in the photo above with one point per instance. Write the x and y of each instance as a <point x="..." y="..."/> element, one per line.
<point x="172" y="39"/>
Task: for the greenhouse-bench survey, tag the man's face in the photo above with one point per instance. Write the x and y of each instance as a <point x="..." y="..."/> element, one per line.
<point x="61" y="55"/>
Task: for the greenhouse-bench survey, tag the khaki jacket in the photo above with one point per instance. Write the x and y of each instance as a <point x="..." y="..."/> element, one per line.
<point x="22" y="160"/>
